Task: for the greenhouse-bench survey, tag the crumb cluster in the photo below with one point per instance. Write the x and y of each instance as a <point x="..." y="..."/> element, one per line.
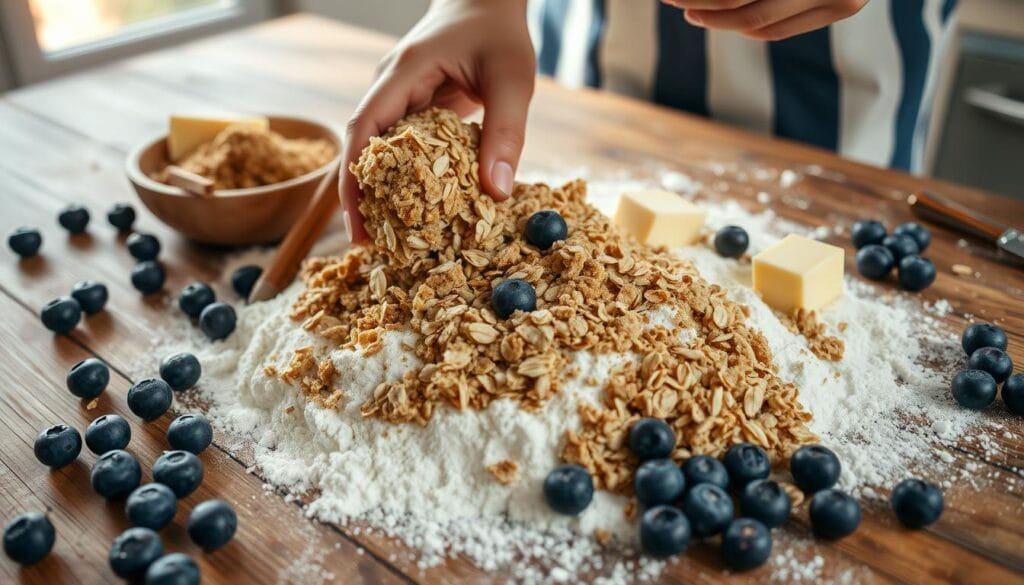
<point x="439" y="246"/>
<point x="240" y="157"/>
<point x="804" y="322"/>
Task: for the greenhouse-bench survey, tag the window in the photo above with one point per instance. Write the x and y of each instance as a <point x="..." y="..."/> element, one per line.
<point x="49" y="37"/>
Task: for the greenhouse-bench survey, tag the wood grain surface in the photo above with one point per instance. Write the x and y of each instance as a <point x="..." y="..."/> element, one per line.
<point x="66" y="140"/>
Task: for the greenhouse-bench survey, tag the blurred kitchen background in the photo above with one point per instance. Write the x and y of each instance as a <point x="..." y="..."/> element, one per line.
<point x="978" y="123"/>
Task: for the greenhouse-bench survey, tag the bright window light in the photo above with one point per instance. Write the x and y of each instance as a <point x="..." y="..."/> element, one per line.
<point x="62" y="24"/>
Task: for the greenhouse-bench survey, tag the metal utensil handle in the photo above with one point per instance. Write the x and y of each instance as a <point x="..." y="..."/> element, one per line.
<point x="938" y="209"/>
<point x="993" y="100"/>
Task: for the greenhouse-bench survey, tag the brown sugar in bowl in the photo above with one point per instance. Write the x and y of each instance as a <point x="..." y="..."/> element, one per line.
<point x="233" y="217"/>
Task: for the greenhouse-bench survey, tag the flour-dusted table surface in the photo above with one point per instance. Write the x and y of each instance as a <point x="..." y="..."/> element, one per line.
<point x="66" y="141"/>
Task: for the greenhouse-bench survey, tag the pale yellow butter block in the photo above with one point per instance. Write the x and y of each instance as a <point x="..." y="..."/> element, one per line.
<point x="799" y="272"/>
<point x="188" y="132"/>
<point x="660" y="218"/>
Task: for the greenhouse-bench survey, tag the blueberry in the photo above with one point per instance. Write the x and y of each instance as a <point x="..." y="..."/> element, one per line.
<point x="917" y="503"/>
<point x="143" y="246"/>
<point x="57" y="446"/>
<point x="134" y="551"/>
<point x="731" y="241"/>
<point x="814" y="468"/>
<point x="544" y="228"/>
<point x="195" y="297"/>
<point x="243" y="279"/>
<point x="148" y="277"/>
<point x="901" y="245"/>
<point x="61" y="314"/>
<point x="745" y="463"/>
<point x="179" y="470"/>
<point x="121" y="216"/>
<point x="149" y="398"/>
<point x="173" y="569"/>
<point x="91" y="296"/>
<point x="115" y="474"/>
<point x="651" y="438"/>
<point x="867" y="231"/>
<point x="708" y="508"/>
<point x="212" y="524"/>
<point x="834" y="514"/>
<point x="190" y="432"/>
<point x="917" y="231"/>
<point x="180" y="370"/>
<point x="766" y="501"/>
<point x="74" y="218"/>
<point x="1013" y="394"/>
<point x="664" y="531"/>
<point x="151" y="506"/>
<point x="974" y="389"/>
<point x="875" y="261"/>
<point x="107" y="433"/>
<point x="916" y="273"/>
<point x="513" y="295"/>
<point x="568" y="489"/>
<point x="658" y="481"/>
<point x="979" y="335"/>
<point x="25" y="241"/>
<point x="29" y="538"/>
<point x="992" y="360"/>
<point x="705" y="469"/>
<point x="217" y="321"/>
<point x="746" y="544"/>
<point x="88" y="378"/>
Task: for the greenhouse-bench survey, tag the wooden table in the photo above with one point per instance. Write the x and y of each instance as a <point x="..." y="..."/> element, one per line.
<point x="66" y="140"/>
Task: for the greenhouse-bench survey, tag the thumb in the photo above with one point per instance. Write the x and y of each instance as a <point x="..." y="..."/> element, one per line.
<point x="506" y="90"/>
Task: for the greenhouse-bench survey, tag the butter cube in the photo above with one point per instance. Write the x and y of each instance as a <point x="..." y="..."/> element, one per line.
<point x="660" y="218"/>
<point x="188" y="132"/>
<point x="799" y="272"/>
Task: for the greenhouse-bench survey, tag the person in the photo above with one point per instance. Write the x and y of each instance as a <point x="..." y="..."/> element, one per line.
<point x="852" y="76"/>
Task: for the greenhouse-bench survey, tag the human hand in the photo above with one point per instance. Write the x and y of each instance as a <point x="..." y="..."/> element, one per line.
<point x="767" y="20"/>
<point x="462" y="54"/>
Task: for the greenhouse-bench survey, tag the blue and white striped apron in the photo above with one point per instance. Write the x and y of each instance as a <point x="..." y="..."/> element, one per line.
<point x="862" y="87"/>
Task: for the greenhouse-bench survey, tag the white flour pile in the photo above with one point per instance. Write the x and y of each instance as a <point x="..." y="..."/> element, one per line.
<point x="429" y="485"/>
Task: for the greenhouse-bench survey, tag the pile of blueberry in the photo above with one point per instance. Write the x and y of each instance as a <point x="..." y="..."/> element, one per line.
<point x="217" y="320"/>
<point x="732" y="497"/>
<point x="543" y="230"/>
<point x="148" y="276"/>
<point x="137" y="554"/>
<point x="878" y="252"/>
<point x="988" y="365"/>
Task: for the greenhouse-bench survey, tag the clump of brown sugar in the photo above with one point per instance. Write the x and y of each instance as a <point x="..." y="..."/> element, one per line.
<point x="240" y="157"/>
<point x="439" y="246"/>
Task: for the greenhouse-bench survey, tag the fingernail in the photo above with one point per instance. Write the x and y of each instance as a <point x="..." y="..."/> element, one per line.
<point x="348" y="225"/>
<point x="501" y="176"/>
<point x="693" y="18"/>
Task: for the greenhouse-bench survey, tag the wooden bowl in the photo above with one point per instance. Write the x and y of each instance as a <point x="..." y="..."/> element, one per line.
<point x="233" y="217"/>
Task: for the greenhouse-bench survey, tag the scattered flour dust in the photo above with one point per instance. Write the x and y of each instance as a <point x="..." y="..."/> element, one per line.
<point x="430" y="486"/>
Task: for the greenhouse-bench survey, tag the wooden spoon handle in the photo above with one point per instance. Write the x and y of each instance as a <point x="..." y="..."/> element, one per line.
<point x="943" y="211"/>
<point x="192" y="183"/>
<point x="300" y="239"/>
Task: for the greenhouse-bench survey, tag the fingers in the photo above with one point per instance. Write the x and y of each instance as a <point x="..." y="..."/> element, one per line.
<point x="506" y="89"/>
<point x="388" y="100"/>
<point x="708" y="4"/>
<point x="451" y="96"/>
<point x="751" y="16"/>
<point x="805" y="22"/>
<point x="774" y="19"/>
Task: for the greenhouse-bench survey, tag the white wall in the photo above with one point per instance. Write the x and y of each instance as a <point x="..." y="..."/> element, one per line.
<point x="389" y="16"/>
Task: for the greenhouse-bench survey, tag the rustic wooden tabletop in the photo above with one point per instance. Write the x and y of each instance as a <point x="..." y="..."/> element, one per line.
<point x="66" y="141"/>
